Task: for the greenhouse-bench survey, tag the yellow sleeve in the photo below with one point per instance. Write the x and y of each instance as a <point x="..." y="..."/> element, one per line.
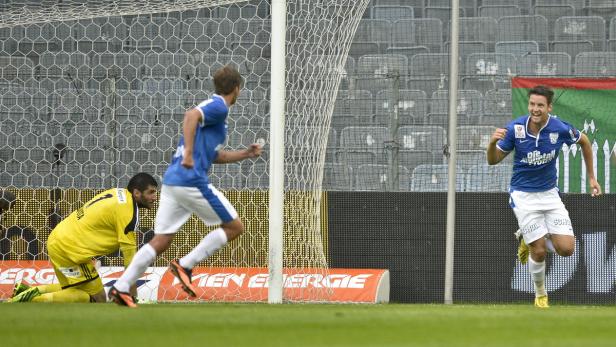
<point x="129" y="249"/>
<point x="126" y="223"/>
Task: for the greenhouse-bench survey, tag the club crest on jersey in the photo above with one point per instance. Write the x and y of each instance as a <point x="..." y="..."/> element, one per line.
<point x="520" y="133"/>
<point x="553" y="138"/>
<point x="572" y="134"/>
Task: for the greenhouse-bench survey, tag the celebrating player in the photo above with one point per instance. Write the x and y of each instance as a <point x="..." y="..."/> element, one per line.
<point x="100" y="227"/>
<point x="543" y="220"/>
<point x="186" y="189"/>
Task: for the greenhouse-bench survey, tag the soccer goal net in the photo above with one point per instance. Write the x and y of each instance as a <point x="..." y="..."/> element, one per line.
<point x="92" y="92"/>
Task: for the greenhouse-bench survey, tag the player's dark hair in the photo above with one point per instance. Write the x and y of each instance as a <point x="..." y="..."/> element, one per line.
<point x="226" y="79"/>
<point x="543" y="91"/>
<point x="141" y="182"/>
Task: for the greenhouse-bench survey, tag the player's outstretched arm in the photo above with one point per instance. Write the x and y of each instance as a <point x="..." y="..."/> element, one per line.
<point x="225" y="157"/>
<point x="595" y="187"/>
<point x="494" y="154"/>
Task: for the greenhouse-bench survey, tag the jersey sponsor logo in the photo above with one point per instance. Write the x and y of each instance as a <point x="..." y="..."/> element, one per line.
<point x="553" y="138"/>
<point x="121" y="196"/>
<point x="70" y="272"/>
<point x="520" y="133"/>
<point x="538" y="158"/>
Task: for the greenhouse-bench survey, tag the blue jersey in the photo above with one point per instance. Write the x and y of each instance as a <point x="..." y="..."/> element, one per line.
<point x="534" y="165"/>
<point x="209" y="139"/>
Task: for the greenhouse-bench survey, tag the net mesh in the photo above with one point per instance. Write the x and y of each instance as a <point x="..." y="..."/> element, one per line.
<point x="94" y="92"/>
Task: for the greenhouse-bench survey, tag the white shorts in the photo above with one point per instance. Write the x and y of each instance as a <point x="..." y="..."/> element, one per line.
<point x="540" y="213"/>
<point x="177" y="203"/>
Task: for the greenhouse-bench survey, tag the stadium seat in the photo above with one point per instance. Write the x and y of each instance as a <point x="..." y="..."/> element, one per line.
<point x="426" y="32"/>
<point x="498" y="11"/>
<point x="428" y="84"/>
<point x="523" y="5"/>
<point x="469" y="6"/>
<point x="488" y="178"/>
<point x="571" y="48"/>
<point x="372" y="37"/>
<point x="375" y="72"/>
<point x="431" y="65"/>
<point x="486" y="71"/>
<point x="469" y="103"/>
<point x="468" y="158"/>
<point x="391" y="12"/>
<point x="362" y="145"/>
<point x="443" y="15"/>
<point x="417" y="5"/>
<point x="466" y="48"/>
<point x="410" y="159"/>
<point x="376" y="178"/>
<point x="353" y="108"/>
<point x="434" y="178"/>
<point x="474" y="138"/>
<point x="545" y="64"/>
<point x="578" y="5"/>
<point x="553" y="11"/>
<point x="517" y="48"/>
<point x="412" y="107"/>
<point x="497" y="102"/>
<point x="422" y="138"/>
<point x="524" y="28"/>
<point x="408" y="51"/>
<point x="442" y="119"/>
<point x="601" y="8"/>
<point x="337" y="177"/>
<point x="581" y="28"/>
<point x="480" y="29"/>
<point x="612" y="36"/>
<point x="595" y="64"/>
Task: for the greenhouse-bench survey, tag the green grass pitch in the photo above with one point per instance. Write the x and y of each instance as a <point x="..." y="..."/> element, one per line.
<point x="237" y="325"/>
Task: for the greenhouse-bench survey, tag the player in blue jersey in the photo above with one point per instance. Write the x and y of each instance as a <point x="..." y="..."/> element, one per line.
<point x="543" y="220"/>
<point x="186" y="189"/>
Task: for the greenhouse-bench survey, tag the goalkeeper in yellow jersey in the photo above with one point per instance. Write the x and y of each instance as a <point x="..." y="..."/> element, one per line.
<point x="100" y="227"/>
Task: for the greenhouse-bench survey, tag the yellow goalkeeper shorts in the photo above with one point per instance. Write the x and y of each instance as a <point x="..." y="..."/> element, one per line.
<point x="70" y="275"/>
